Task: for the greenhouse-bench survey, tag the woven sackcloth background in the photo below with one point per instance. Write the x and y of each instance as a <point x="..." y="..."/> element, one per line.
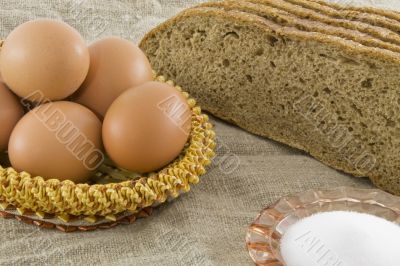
<point x="204" y="227"/>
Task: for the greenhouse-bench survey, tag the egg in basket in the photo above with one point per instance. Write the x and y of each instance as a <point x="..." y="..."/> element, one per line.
<point x="90" y="136"/>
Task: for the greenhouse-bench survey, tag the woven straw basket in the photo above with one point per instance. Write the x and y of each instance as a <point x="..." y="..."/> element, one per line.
<point x="116" y="195"/>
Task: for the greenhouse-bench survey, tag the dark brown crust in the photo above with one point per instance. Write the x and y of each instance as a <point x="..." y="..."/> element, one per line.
<point x="351" y="47"/>
<point x="370" y="10"/>
<point x="343" y="11"/>
<point x="302" y="24"/>
<point x="378" y="32"/>
<point x="72" y="228"/>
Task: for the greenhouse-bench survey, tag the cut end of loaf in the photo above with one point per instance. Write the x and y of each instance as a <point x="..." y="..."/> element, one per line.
<point x="330" y="97"/>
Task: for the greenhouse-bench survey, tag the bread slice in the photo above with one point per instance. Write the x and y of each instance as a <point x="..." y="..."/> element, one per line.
<point x="378" y="32"/>
<point x="284" y="18"/>
<point x="331" y="97"/>
<point x="342" y="11"/>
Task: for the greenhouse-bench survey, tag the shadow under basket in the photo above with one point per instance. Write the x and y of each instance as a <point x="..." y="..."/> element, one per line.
<point x="114" y="196"/>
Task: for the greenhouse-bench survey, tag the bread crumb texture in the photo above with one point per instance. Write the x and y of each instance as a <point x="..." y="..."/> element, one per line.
<point x="334" y="98"/>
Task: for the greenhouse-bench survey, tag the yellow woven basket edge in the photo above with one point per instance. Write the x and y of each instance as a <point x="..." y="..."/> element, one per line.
<point x="64" y="198"/>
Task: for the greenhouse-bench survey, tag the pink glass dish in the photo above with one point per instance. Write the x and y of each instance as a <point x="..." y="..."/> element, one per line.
<point x="264" y="234"/>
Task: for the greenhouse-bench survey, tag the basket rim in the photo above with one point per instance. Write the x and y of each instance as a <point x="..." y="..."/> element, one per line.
<point x="66" y="198"/>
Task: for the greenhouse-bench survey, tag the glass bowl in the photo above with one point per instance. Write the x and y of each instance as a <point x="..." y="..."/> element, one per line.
<point x="264" y="234"/>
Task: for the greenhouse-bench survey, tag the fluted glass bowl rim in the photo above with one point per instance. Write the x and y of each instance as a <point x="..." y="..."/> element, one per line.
<point x="264" y="234"/>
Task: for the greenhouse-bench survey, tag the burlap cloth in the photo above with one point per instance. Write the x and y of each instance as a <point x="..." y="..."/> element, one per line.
<point x="204" y="227"/>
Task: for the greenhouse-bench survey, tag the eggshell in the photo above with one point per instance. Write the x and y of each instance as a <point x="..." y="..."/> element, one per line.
<point x="115" y="66"/>
<point x="44" y="60"/>
<point x="57" y="140"/>
<point x="147" y="127"/>
<point x="10" y="112"/>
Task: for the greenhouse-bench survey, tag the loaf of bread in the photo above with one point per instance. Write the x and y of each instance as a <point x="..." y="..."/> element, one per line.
<point x="294" y="72"/>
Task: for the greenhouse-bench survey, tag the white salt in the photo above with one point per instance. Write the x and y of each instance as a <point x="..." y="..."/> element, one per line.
<point x="341" y="238"/>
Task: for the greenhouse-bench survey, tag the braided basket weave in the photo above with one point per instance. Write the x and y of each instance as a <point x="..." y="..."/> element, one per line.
<point x="113" y="191"/>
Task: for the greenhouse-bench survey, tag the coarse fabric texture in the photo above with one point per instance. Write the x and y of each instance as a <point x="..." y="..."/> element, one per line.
<point x="207" y="226"/>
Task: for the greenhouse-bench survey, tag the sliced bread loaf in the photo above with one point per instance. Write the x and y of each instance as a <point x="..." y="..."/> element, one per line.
<point x="284" y="18"/>
<point x="331" y="97"/>
<point x="306" y="13"/>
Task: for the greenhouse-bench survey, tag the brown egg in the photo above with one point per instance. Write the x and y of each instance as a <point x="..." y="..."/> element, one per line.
<point x="10" y="112"/>
<point x="146" y="127"/>
<point x="44" y="60"/>
<point x="115" y="66"/>
<point x="57" y="140"/>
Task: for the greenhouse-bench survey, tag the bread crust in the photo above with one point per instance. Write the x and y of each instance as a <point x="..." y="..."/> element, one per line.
<point x="382" y="33"/>
<point x="349" y="46"/>
<point x="286" y="19"/>
<point x="392" y="14"/>
<point x="374" y="16"/>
